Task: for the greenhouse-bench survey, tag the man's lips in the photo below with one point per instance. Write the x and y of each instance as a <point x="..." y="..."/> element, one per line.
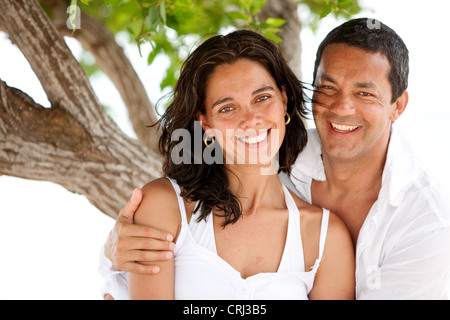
<point x="343" y="128"/>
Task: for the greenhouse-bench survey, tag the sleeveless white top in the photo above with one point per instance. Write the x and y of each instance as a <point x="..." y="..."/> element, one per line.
<point x="201" y="274"/>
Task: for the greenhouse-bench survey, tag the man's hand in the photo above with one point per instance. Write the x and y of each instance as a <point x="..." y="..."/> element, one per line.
<point x="132" y="247"/>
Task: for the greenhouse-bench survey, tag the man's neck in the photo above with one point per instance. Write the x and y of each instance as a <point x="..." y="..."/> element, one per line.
<point x="351" y="187"/>
<point x="357" y="176"/>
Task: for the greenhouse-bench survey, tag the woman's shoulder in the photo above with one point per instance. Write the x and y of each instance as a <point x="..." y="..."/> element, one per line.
<point x="161" y="186"/>
<point x="311" y="218"/>
<point x="159" y="206"/>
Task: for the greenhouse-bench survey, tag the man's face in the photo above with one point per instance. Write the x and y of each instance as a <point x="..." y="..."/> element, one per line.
<point x="352" y="109"/>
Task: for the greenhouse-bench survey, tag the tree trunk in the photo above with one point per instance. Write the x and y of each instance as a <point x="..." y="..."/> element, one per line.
<point x="290" y="32"/>
<point x="74" y="143"/>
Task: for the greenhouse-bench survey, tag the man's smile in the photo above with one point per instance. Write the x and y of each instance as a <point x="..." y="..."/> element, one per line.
<point x="343" y="128"/>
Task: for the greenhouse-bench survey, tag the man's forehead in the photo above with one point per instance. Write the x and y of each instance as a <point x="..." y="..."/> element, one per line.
<point x="352" y="61"/>
<point x="343" y="53"/>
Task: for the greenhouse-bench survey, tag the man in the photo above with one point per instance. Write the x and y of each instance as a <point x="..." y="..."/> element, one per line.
<point x="356" y="164"/>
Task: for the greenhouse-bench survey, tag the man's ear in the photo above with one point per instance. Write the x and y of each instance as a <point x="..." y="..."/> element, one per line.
<point x="399" y="106"/>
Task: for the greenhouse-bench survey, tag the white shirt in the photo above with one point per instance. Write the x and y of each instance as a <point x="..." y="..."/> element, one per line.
<point x="403" y="248"/>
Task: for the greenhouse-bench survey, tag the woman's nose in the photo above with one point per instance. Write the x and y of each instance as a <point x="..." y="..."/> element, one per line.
<point x="251" y="118"/>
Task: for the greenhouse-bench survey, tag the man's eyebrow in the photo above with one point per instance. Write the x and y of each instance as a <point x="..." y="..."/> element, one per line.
<point x="329" y="78"/>
<point x="366" y="85"/>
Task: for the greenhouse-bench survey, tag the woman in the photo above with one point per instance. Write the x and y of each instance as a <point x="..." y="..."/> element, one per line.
<point x="240" y="234"/>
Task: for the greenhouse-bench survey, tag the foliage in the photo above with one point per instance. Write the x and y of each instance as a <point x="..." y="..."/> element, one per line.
<point x="174" y="27"/>
<point x="322" y="8"/>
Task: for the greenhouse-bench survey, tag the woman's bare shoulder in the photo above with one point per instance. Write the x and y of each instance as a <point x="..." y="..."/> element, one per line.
<point x="310" y="228"/>
<point x="312" y="216"/>
<point x="159" y="206"/>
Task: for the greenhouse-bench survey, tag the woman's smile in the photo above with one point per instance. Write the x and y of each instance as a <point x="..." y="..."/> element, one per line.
<point x="257" y="139"/>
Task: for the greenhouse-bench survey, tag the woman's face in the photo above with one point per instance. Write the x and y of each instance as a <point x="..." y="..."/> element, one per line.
<point x="245" y="112"/>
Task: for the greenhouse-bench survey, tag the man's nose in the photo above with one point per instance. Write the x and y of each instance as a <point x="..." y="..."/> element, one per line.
<point x="342" y="105"/>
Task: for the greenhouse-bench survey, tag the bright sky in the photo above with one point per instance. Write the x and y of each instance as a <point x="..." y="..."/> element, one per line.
<point x="50" y="239"/>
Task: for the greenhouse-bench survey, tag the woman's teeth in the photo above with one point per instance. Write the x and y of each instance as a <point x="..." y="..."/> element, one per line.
<point x="255" y="139"/>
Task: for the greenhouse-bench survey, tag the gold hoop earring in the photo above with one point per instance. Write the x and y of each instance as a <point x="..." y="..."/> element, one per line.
<point x="286" y="122"/>
<point x="205" y="141"/>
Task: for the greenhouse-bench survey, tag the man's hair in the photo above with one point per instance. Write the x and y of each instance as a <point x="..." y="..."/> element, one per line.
<point x="374" y="36"/>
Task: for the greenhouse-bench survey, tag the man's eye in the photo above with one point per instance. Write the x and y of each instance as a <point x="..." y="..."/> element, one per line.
<point x="226" y="109"/>
<point x="327" y="87"/>
<point x="365" y="94"/>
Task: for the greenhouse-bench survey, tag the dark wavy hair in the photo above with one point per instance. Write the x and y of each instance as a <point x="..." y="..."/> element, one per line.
<point x="374" y="36"/>
<point x="209" y="183"/>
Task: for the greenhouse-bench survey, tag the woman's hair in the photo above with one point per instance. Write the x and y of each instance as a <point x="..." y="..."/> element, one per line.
<point x="209" y="183"/>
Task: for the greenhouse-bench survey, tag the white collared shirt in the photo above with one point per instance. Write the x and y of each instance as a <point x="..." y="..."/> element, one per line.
<point x="403" y="247"/>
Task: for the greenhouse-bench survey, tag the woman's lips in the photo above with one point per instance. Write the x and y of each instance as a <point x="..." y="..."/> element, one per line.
<point x="261" y="136"/>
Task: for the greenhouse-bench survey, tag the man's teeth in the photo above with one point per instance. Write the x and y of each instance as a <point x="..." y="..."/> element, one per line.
<point x="343" y="128"/>
<point x="255" y="139"/>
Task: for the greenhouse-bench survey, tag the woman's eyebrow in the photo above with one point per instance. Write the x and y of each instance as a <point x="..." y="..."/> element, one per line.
<point x="220" y="101"/>
<point x="263" y="89"/>
<point x="227" y="99"/>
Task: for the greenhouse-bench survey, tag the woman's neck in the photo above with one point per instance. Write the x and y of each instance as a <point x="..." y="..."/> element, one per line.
<point x="254" y="189"/>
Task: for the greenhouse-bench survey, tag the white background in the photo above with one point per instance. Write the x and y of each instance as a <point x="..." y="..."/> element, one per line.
<point x="50" y="239"/>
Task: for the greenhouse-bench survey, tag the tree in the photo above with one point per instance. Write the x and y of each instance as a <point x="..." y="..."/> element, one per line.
<point x="75" y="143"/>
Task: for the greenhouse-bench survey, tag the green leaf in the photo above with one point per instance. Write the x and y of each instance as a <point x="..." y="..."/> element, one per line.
<point x="345" y="4"/>
<point x="151" y="20"/>
<point x="276" y="22"/>
<point x="236" y="15"/>
<point x="183" y="3"/>
<point x="73" y="10"/>
<point x="162" y="12"/>
<point x="257" y="5"/>
<point x="152" y="56"/>
<point x="325" y="12"/>
<point x="272" y="36"/>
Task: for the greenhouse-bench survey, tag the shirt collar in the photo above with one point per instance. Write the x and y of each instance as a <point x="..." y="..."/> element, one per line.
<point x="399" y="171"/>
<point x="401" y="168"/>
<point x="309" y="163"/>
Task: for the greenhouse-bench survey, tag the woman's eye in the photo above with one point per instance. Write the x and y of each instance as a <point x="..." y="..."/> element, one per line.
<point x="263" y="98"/>
<point x="328" y="87"/>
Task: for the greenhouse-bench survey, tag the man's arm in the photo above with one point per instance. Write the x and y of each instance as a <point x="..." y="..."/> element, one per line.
<point x="416" y="268"/>
<point x="132" y="247"/>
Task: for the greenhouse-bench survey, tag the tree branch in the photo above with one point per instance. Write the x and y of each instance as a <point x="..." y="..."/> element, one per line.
<point x="111" y="59"/>
<point x="49" y="144"/>
<point x="74" y="143"/>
